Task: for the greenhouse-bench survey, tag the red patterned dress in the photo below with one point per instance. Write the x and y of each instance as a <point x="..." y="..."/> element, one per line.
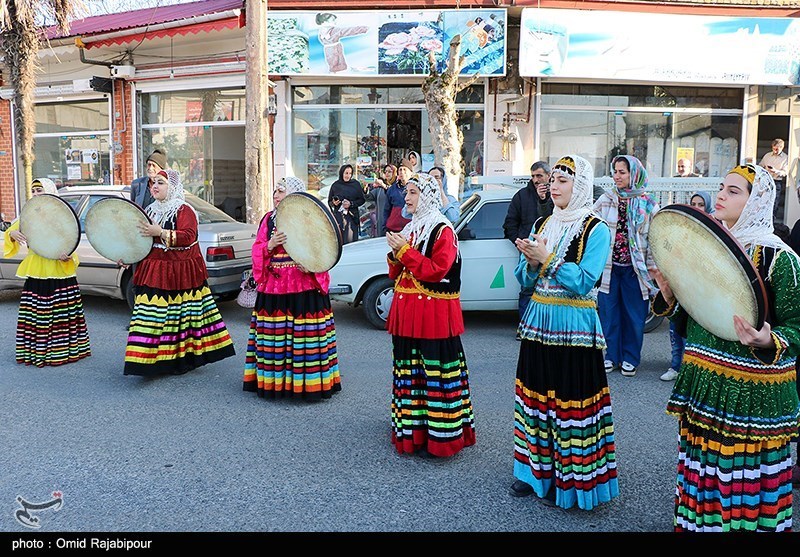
<point x="431" y="404"/>
<point x="175" y="326"/>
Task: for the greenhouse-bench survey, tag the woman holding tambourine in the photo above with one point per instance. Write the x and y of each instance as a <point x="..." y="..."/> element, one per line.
<point x="291" y="346"/>
<point x="51" y="328"/>
<point x="736" y="402"/>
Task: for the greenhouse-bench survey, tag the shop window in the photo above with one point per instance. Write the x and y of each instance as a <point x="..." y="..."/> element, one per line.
<point x="667" y="96"/>
<point x="71" y="117"/>
<point x="73" y="160"/>
<point x="208" y="105"/>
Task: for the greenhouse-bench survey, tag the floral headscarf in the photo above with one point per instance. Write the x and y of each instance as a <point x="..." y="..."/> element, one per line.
<point x="428" y="214"/>
<point x="641" y="207"/>
<point x="565" y="224"/>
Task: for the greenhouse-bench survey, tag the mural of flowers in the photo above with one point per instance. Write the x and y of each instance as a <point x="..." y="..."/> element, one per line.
<point x="404" y="47"/>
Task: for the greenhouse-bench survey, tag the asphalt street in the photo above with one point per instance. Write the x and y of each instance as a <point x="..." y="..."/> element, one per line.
<point x="196" y="453"/>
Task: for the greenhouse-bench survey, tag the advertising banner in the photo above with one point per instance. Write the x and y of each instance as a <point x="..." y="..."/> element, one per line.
<point x="384" y="43"/>
<point x="659" y="47"/>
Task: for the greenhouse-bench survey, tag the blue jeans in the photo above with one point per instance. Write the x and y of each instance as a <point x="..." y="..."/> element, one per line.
<point x="524" y="297"/>
<point x="622" y="315"/>
<point x="678" y="344"/>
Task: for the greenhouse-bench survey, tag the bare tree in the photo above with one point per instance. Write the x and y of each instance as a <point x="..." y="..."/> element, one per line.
<point x="440" y="90"/>
<point x="21" y="39"/>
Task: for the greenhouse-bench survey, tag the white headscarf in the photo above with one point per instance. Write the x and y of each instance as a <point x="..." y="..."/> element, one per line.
<point x="428" y="213"/>
<point x="292" y="184"/>
<point x="754" y="226"/>
<point x="47" y="184"/>
<point x="565" y="224"/>
<point x="163" y="211"/>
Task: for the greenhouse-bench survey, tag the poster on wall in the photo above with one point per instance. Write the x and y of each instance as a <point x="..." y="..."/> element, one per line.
<point x="89" y="156"/>
<point x="384" y="43"/>
<point x="73" y="172"/>
<point x="648" y="47"/>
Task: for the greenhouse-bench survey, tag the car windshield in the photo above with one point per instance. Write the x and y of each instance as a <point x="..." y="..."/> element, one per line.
<point x="466" y="208"/>
<point x="206" y="212"/>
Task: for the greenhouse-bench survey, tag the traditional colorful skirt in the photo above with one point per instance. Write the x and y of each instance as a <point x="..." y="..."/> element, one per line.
<point x="175" y="331"/>
<point x="728" y="484"/>
<point x="51" y="329"/>
<point x="431" y="402"/>
<point x="563" y="427"/>
<point x="291" y="348"/>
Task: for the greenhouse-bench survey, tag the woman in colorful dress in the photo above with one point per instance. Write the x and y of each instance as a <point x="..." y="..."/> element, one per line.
<point x="431" y="404"/>
<point x="564" y="449"/>
<point x="291" y="348"/>
<point x="51" y="328"/>
<point x="736" y="401"/>
<point x="175" y="325"/>
<point x="625" y="291"/>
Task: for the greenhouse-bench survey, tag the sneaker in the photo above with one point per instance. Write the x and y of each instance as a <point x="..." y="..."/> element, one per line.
<point x="669" y="375"/>
<point x="628" y="370"/>
<point x="609" y="366"/>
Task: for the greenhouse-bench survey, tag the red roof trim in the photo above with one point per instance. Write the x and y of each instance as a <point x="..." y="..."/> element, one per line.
<point x="219" y="25"/>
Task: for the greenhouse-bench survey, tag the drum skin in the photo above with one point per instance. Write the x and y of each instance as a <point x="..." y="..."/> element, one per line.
<point x="312" y="237"/>
<point x="709" y="272"/>
<point x="50" y="226"/>
<point x="112" y="229"/>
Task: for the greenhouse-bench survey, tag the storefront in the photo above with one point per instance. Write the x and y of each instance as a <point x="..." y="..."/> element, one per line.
<point x="202" y="132"/>
<point x="73" y="140"/>
<point x="369" y="127"/>
<point x="353" y="93"/>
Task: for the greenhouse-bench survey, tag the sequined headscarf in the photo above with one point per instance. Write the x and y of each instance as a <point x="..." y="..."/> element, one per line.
<point x="565" y="224"/>
<point x="164" y="211"/>
<point x="428" y="214"/>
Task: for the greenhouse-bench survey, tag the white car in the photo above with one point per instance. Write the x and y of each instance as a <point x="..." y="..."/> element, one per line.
<point x="488" y="261"/>
<point x="225" y="243"/>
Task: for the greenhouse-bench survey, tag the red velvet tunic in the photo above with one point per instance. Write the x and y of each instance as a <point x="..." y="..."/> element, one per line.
<point x="179" y="267"/>
<point x="416" y="311"/>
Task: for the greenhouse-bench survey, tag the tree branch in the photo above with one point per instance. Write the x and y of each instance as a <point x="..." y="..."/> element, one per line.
<point x="464" y="84"/>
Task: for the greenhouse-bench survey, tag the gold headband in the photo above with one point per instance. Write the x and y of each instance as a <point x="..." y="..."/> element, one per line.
<point x="746" y="171"/>
<point x="567" y="163"/>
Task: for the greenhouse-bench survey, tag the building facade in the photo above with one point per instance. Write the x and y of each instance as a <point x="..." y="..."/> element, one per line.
<point x="346" y="81"/>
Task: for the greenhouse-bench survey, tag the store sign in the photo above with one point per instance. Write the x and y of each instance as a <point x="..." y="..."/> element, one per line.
<point x="659" y="47"/>
<point x="384" y="42"/>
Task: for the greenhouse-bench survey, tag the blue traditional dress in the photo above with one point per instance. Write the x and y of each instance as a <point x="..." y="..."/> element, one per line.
<point x="563" y="427"/>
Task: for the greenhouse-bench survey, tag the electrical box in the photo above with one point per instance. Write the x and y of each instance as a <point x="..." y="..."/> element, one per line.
<point x="101" y="84"/>
<point x="123" y="71"/>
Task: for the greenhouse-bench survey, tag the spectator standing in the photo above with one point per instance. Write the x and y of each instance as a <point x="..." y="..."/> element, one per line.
<point x="140" y="187"/>
<point x="344" y="199"/>
<point x="527" y="205"/>
<point x="396" y="199"/>
<point x="377" y="194"/>
<point x="777" y="164"/>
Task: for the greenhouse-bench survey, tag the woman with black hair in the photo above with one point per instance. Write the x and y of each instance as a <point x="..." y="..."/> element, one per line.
<point x="344" y="199"/>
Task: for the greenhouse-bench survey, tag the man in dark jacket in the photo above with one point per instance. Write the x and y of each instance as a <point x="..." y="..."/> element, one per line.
<point x="140" y="187"/>
<point x="527" y="205"/>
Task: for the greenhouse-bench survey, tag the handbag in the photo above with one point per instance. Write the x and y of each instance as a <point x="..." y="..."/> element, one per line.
<point x="247" y="291"/>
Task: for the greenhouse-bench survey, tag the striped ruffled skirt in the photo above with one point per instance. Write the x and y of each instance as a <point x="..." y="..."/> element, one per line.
<point x="291" y="348"/>
<point x="729" y="484"/>
<point x="431" y="402"/>
<point x="175" y="331"/>
<point x="563" y="425"/>
<point x="51" y="328"/>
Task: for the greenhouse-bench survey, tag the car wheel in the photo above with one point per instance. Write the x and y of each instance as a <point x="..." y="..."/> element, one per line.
<point x="652" y="322"/>
<point x="128" y="290"/>
<point x="377" y="301"/>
